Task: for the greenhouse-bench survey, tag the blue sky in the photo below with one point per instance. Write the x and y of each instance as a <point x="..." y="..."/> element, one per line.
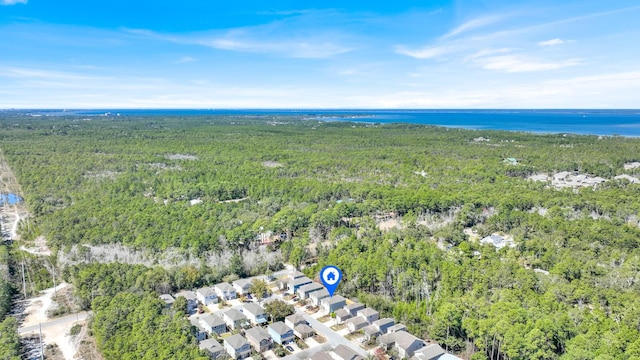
<point x="319" y="54"/>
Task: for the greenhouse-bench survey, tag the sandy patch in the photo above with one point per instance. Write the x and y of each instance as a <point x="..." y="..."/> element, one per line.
<point x="632" y="165"/>
<point x="37" y="309"/>
<point x="181" y="157"/>
<point x="271" y="164"/>
<point x="387" y="225"/>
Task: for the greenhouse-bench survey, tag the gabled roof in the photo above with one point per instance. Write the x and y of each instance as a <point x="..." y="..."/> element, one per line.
<point x="296" y="318"/>
<point x="254" y="309"/>
<point x="242" y="283"/>
<point x="371" y="330"/>
<point x="367" y="312"/>
<point x="212" y="320"/>
<point x="258" y="333"/>
<point x="342" y="313"/>
<point x="280" y="328"/>
<point x="346" y="353"/>
<point x="334" y="300"/>
<point x="309" y="288"/>
<point x="296" y="274"/>
<point x="320" y="294"/>
<point x="225" y="287"/>
<point x="211" y="345"/>
<point x="354" y="306"/>
<point x="168" y="299"/>
<point x="206" y="291"/>
<point x="189" y="295"/>
<point x="234" y="315"/>
<point x="404" y="340"/>
<point x="301" y="281"/>
<point x="429" y="352"/>
<point x="303" y="329"/>
<point x="358" y="320"/>
<point x="236" y="341"/>
<point x="397" y="327"/>
<point x="384" y="322"/>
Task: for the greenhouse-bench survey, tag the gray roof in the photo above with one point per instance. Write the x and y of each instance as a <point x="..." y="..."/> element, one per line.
<point x="371" y="330"/>
<point x="242" y="282"/>
<point x="254" y="309"/>
<point x="303" y="329"/>
<point x="397" y="327"/>
<point x="404" y="340"/>
<point x="189" y="295"/>
<point x="357" y="320"/>
<point x="367" y="312"/>
<point x="354" y="306"/>
<point x="296" y="318"/>
<point x="335" y="299"/>
<point x="236" y="341"/>
<point x="280" y="327"/>
<point x="314" y="286"/>
<point x="235" y="315"/>
<point x="322" y="293"/>
<point x="384" y="322"/>
<point x="301" y="281"/>
<point x="167" y="298"/>
<point x="342" y="313"/>
<point x="212" y="345"/>
<point x="206" y="291"/>
<point x="224" y="287"/>
<point x="296" y="274"/>
<point x="429" y="352"/>
<point x="258" y="333"/>
<point x="212" y="320"/>
<point x="346" y="353"/>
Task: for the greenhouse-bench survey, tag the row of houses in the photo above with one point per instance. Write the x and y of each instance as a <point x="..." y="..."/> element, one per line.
<point x="257" y="338"/>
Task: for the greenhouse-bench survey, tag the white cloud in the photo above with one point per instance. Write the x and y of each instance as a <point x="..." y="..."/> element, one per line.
<point x="12" y="2"/>
<point x="551" y="42"/>
<point x="517" y="63"/>
<point x="424" y="53"/>
<point x="186" y="59"/>
<point x="473" y="24"/>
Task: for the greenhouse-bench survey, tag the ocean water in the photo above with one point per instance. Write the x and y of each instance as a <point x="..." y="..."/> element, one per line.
<point x="587" y="122"/>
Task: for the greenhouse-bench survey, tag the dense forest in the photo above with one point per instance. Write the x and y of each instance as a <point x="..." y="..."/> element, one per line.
<point x="568" y="289"/>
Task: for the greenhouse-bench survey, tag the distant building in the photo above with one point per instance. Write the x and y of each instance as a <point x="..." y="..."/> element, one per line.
<point x="168" y="300"/>
<point x="497" y="241"/>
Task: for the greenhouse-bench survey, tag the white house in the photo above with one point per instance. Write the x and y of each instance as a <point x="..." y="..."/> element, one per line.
<point x="213" y="324"/>
<point x="192" y="300"/>
<point x="242" y="286"/>
<point x="404" y="343"/>
<point x="369" y="315"/>
<point x="237" y="347"/>
<point x="356" y="323"/>
<point x="342" y="315"/>
<point x="317" y="296"/>
<point x="207" y="295"/>
<point x="333" y="303"/>
<point x="255" y="313"/>
<point x="225" y="291"/>
<point x="234" y="319"/>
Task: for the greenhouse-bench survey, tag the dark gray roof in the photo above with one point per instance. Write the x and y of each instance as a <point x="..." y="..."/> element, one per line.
<point x="258" y="333"/>
<point x="346" y="353"/>
<point x="314" y="286"/>
<point x="280" y="327"/>
<point x="236" y="341"/>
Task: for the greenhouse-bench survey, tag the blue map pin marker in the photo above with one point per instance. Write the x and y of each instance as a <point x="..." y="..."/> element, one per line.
<point x="330" y="277"/>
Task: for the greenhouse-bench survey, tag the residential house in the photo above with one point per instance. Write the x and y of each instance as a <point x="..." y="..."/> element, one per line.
<point x="199" y="332"/>
<point x="207" y="295"/>
<point x="317" y="296"/>
<point x="432" y="351"/>
<point x="342" y="315"/>
<point x="234" y="319"/>
<point x="356" y="323"/>
<point x="404" y="344"/>
<point x="497" y="241"/>
<point x="242" y="286"/>
<point x="192" y="301"/>
<point x="369" y="315"/>
<point x="295" y="284"/>
<point x="306" y="290"/>
<point x="225" y="291"/>
<point x="255" y="313"/>
<point x="333" y="303"/>
<point x="371" y="332"/>
<point x="259" y="338"/>
<point x="344" y="352"/>
<point x="280" y="332"/>
<point x="212" y="347"/>
<point x="294" y="320"/>
<point x="384" y="324"/>
<point x="397" y="327"/>
<point x="168" y="300"/>
<point x="303" y="331"/>
<point x="213" y="324"/>
<point x="237" y="347"/>
<point x="354" y="308"/>
<point x="295" y="274"/>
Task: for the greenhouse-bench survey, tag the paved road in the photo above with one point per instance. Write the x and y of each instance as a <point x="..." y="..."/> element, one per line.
<point x="332" y="337"/>
<point x="57" y="321"/>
